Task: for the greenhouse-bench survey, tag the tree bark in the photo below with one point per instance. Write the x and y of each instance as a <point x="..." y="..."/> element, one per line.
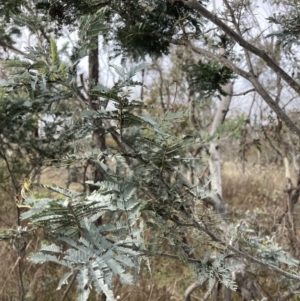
<point x="249" y="75"/>
<point x="215" y="160"/>
<point x="98" y="131"/>
<point x="195" y="5"/>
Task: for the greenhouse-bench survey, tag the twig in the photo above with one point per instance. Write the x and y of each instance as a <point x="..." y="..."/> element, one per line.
<point x="208" y="293"/>
<point x="250" y="77"/>
<point x="7" y="276"/>
<point x="241" y="93"/>
<point x="245" y="255"/>
<point x="14" y="49"/>
<point x="194" y="4"/>
<point x="190" y="290"/>
<point x="22" y="290"/>
<point x="65" y="294"/>
<point x="286" y="296"/>
<point x="9" y="171"/>
<point x="194" y="286"/>
<point x="157" y="67"/>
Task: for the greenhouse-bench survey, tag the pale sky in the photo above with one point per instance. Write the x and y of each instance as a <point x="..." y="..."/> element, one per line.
<point x="239" y="104"/>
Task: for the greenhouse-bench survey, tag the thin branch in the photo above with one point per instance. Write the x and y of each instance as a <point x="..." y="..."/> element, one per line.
<point x="195" y="5"/>
<point x="243" y="93"/>
<point x="157" y="67"/>
<point x="288" y="295"/>
<point x="7" y="276"/>
<point x="2" y="155"/>
<point x="194" y="286"/>
<point x="190" y="290"/>
<point x="249" y="63"/>
<point x="236" y="251"/>
<point x="270" y="142"/>
<point x="12" y="48"/>
<point x="208" y="293"/>
<point x="245" y="255"/>
<point x="65" y="294"/>
<point x="20" y="275"/>
<point x="143" y="84"/>
<point x="252" y="79"/>
<point x="22" y="290"/>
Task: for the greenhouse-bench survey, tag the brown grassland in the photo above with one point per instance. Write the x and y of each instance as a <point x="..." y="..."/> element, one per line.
<point x="258" y="192"/>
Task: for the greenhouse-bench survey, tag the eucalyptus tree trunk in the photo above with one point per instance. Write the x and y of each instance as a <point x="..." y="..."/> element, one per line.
<point x="215" y="159"/>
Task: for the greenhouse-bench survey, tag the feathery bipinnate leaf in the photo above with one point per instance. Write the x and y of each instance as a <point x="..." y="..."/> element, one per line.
<point x="102" y="251"/>
<point x="54" y="53"/>
<point x="96" y="258"/>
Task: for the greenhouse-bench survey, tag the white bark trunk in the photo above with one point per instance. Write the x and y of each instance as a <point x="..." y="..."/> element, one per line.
<point x="215" y="160"/>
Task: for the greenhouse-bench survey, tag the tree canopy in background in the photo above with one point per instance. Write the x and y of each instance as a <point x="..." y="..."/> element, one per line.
<point x="153" y="144"/>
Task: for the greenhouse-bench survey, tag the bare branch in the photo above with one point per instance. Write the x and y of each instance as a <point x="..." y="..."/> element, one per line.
<point x="288" y="295"/>
<point x="190" y="290"/>
<point x="236" y="25"/>
<point x="65" y="294"/>
<point x="243" y="93"/>
<point x="245" y="255"/>
<point x="12" y="48"/>
<point x="194" y="286"/>
<point x="194" y="4"/>
<point x="253" y="79"/>
<point x="208" y="293"/>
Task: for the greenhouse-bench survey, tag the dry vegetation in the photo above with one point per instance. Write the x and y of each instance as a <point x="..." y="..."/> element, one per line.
<point x="258" y="192"/>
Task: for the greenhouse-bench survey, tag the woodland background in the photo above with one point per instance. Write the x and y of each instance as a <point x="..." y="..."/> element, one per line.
<point x="184" y="113"/>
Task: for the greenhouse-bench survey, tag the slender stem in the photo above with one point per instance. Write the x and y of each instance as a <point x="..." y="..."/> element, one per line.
<point x="2" y="155"/>
<point x="7" y="276"/>
<point x="195" y="5"/>
<point x="22" y="290"/>
<point x="252" y="79"/>
<point x="245" y="255"/>
<point x="65" y="294"/>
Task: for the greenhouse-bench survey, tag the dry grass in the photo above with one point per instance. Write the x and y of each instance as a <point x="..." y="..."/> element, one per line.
<point x="254" y="190"/>
<point x="259" y="191"/>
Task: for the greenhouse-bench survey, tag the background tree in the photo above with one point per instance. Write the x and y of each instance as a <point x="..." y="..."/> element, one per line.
<point x="146" y="170"/>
